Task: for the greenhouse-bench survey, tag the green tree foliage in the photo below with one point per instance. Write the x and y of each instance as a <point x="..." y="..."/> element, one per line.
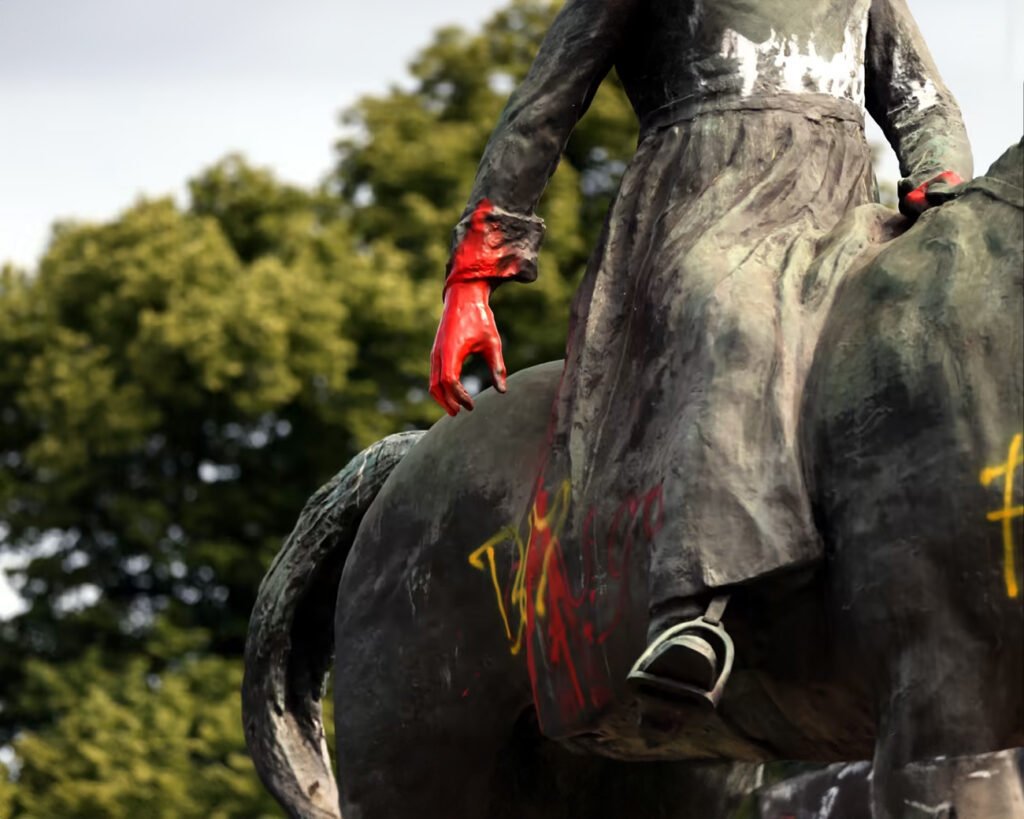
<point x="127" y="743"/>
<point x="8" y="790"/>
<point x="413" y="197"/>
<point x="176" y="382"/>
<point x="161" y="400"/>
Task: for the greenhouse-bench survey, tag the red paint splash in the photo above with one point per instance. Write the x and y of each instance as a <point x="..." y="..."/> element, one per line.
<point x="560" y="620"/>
<point x="482" y="254"/>
<point x="916" y="202"/>
<point x="569" y="632"/>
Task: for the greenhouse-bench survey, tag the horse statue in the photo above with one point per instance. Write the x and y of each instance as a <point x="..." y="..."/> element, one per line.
<point x="902" y="652"/>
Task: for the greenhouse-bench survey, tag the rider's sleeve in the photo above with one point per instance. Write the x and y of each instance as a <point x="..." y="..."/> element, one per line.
<point x="576" y="54"/>
<point x="908" y="99"/>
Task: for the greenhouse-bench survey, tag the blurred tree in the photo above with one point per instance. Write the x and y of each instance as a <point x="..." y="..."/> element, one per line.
<point x="7" y="792"/>
<point x="177" y="381"/>
<point x="413" y="196"/>
<point x="166" y="407"/>
<point x="127" y="743"/>
<point x="885" y="187"/>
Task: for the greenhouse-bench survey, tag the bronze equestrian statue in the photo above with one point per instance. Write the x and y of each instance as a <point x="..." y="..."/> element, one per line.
<point x="776" y="392"/>
<point x="691" y="335"/>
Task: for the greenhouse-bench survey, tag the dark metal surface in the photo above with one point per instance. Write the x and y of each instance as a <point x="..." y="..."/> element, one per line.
<point x="905" y="646"/>
<point x="674" y="454"/>
<point x="290" y="644"/>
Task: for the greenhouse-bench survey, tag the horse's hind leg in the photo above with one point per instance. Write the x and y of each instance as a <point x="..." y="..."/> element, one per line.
<point x="418" y="734"/>
<point x="540" y="779"/>
<point x="397" y="763"/>
<point x="430" y="678"/>
<point x="460" y="765"/>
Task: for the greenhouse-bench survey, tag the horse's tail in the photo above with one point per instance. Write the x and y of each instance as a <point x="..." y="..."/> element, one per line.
<point x="290" y="645"/>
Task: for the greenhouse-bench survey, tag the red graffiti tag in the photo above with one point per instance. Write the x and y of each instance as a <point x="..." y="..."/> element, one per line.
<point x="561" y="621"/>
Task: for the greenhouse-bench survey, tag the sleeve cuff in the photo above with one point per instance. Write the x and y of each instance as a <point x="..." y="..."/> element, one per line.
<point x="493" y="243"/>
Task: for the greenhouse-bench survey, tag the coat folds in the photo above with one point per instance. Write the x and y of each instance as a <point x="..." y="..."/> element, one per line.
<point x="674" y="458"/>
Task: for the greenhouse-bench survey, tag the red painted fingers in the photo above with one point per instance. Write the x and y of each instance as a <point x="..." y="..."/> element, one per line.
<point x="467" y="323"/>
<point x="467" y="326"/>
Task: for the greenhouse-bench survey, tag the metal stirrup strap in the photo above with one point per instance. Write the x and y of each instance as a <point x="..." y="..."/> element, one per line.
<point x="716" y="608"/>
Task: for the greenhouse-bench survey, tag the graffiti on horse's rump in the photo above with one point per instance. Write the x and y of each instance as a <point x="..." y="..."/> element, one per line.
<point x="559" y="620"/>
<point x="1009" y="511"/>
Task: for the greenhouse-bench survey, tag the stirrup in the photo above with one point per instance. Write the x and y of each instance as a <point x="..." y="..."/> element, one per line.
<point x="708" y="626"/>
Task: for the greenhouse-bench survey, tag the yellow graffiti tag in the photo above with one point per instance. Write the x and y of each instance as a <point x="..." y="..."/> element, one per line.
<point x="1008" y="512"/>
<point x="543" y="532"/>
<point x="476" y="560"/>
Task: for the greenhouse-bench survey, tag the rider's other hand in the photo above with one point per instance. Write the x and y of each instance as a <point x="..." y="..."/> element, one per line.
<point x="918" y="200"/>
<point x="467" y="326"/>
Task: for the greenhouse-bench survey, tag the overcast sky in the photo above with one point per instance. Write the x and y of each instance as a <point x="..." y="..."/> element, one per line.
<point x="103" y="100"/>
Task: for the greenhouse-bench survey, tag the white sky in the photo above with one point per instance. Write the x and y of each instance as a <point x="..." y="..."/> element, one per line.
<point x="101" y="100"/>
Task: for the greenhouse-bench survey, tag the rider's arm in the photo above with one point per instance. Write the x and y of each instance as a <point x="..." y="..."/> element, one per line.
<point x="499" y="236"/>
<point x="576" y="54"/>
<point x="908" y="99"/>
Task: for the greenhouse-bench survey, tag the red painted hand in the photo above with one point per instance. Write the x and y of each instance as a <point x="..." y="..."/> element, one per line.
<point x="916" y="202"/>
<point x="467" y="326"/>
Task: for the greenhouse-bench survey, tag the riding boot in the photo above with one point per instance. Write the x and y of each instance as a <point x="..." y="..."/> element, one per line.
<point x="688" y="656"/>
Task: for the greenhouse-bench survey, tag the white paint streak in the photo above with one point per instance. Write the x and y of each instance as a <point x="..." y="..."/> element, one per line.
<point x="855" y="768"/>
<point x="418" y="585"/>
<point x="696" y="16"/>
<point x="412" y="599"/>
<point x="828" y="802"/>
<point x="748" y="54"/>
<point x="931" y="810"/>
<point x="787" y="65"/>
<point x="982" y="774"/>
<point x="924" y="94"/>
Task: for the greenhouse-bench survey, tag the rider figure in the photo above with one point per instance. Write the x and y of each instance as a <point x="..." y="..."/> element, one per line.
<point x="695" y="324"/>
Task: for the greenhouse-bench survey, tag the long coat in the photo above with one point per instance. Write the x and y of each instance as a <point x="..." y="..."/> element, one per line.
<point x="674" y="454"/>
